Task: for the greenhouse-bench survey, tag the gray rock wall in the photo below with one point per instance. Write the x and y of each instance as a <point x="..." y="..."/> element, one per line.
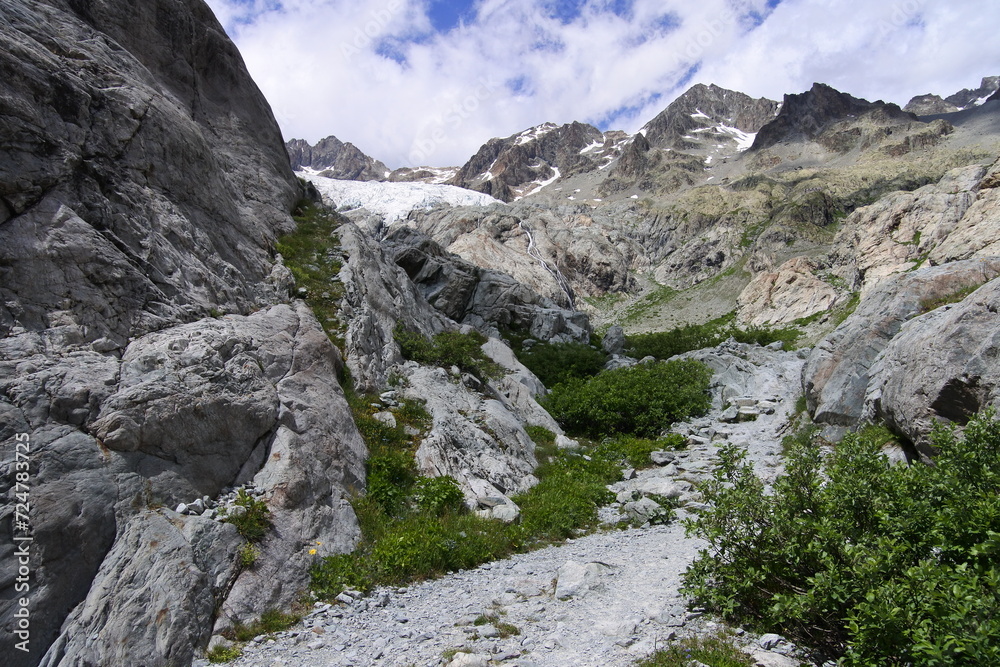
<point x="143" y="182"/>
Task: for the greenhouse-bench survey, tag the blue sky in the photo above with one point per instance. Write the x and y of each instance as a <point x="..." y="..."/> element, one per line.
<point x="428" y="81"/>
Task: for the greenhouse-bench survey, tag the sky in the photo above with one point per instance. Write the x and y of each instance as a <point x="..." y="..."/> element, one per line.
<point x="427" y="82"/>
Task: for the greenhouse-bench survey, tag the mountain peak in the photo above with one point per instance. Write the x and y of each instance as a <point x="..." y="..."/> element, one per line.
<point x="523" y="163"/>
<point x="808" y="114"/>
<point x="335" y="159"/>
<point x="708" y="108"/>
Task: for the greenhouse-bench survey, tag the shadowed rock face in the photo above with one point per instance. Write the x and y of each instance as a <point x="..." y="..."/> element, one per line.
<point x="143" y="182"/>
<point x="808" y="114"/>
<point x="143" y="177"/>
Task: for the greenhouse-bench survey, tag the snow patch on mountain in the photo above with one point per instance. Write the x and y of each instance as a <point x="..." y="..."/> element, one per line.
<point x="393" y="201"/>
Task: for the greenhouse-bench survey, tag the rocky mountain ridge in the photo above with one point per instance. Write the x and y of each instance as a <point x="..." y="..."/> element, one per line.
<point x="335" y="159"/>
<point x="929" y="104"/>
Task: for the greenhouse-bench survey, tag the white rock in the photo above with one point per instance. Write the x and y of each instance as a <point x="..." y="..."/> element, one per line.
<point x="576" y="579"/>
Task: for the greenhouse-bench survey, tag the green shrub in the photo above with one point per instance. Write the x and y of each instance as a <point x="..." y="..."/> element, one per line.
<point x="254" y="523"/>
<point x="220" y="654"/>
<point x="557" y="362"/>
<point x="634" y="452"/>
<point x="666" y="344"/>
<point x="447" y="349"/>
<point x="391" y="475"/>
<point x="641" y="400"/>
<point x="880" y="564"/>
<point x="430" y="534"/>
<point x="717" y="650"/>
<point x="438" y="495"/>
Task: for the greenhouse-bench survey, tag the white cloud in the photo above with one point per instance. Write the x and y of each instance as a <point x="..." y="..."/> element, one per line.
<point x="333" y="66"/>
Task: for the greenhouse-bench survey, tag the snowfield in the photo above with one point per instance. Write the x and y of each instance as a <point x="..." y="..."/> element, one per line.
<point x="393" y="201"/>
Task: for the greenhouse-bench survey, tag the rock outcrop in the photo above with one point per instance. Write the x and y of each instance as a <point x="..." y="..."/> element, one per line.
<point x="837" y="374"/>
<point x="792" y="292"/>
<point x="139" y="188"/>
<point x="488" y="300"/>
<point x="333" y="158"/>
<point x="941" y="367"/>
<point x="478" y="425"/>
<point x="143" y="184"/>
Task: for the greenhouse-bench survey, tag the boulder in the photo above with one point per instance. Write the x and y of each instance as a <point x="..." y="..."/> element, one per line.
<point x="614" y="341"/>
<point x="836" y="375"/>
<point x="941" y="366"/>
<point x="574" y="579"/>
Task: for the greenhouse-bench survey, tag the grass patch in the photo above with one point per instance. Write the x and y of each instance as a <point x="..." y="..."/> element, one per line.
<point x="313" y="254"/>
<point x="270" y="621"/>
<point x="648" y="303"/>
<point x="717" y="650"/>
<point x="927" y="305"/>
<point x="220" y="654"/>
<point x="634" y="452"/>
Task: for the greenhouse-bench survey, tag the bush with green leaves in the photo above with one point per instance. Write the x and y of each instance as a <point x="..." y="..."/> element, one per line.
<point x="428" y="533"/>
<point x="557" y="362"/>
<point x="641" y="400"/>
<point x="255" y="519"/>
<point x="447" y="349"/>
<point x="874" y="563"/>
<point x="631" y="451"/>
<point x="666" y="344"/>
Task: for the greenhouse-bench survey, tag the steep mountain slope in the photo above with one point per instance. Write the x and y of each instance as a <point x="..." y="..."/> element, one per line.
<point x="924" y="105"/>
<point x="335" y="159"/>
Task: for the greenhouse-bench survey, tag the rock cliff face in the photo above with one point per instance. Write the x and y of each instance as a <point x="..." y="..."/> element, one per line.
<point x="335" y="159"/>
<point x="143" y="182"/>
<point x="811" y="113"/>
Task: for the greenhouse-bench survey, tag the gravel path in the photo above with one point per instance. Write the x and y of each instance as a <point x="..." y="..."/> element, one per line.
<point x="627" y="606"/>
